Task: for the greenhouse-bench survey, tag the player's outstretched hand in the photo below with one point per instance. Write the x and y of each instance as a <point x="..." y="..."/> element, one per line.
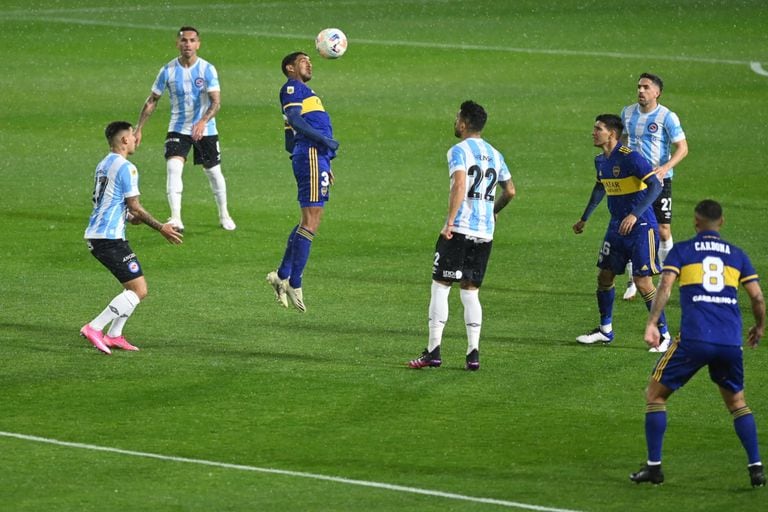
<point x="170" y="234"/>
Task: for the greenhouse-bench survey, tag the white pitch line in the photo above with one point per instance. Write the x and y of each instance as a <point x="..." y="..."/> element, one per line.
<point x="755" y="66"/>
<point x="283" y="472"/>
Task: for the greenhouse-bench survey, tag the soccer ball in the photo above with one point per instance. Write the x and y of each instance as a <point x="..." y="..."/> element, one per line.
<point x="331" y="43"/>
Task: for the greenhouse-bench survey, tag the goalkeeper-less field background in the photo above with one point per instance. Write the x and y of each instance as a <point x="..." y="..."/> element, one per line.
<point x="235" y="404"/>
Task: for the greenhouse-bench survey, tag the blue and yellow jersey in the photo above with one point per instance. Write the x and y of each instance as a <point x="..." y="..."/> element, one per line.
<point x="624" y="174"/>
<point x="295" y="93"/>
<point x="709" y="271"/>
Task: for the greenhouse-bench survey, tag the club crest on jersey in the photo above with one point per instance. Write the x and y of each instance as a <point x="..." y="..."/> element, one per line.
<point x="616" y="171"/>
<point x="199" y="82"/>
<point x="653" y="127"/>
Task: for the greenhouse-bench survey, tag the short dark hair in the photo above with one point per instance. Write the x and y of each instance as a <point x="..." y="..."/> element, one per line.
<point x="656" y="79"/>
<point x="290" y="59"/>
<point x="114" y="128"/>
<point x="612" y="122"/>
<point x="709" y="210"/>
<point x="187" y="28"/>
<point x="474" y="115"/>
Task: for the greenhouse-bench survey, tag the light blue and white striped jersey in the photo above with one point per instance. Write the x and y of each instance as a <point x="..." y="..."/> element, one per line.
<point x="485" y="167"/>
<point x="116" y="179"/>
<point x="188" y="90"/>
<point x="652" y="134"/>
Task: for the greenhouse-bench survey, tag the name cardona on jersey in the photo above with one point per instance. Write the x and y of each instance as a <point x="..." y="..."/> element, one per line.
<point x="713" y="246"/>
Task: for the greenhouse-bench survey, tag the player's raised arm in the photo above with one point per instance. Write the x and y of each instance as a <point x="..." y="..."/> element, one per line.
<point x="146" y="111"/>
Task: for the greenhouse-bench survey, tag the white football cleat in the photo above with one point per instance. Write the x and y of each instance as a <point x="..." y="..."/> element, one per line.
<point x="664" y="345"/>
<point x="227" y="223"/>
<point x="631" y="291"/>
<point x="595" y="336"/>
<point x="176" y="223"/>
<point x="296" y="296"/>
<point x="279" y="286"/>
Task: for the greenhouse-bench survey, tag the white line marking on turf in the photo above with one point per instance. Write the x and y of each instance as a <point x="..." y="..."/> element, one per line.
<point x="755" y="66"/>
<point x="283" y="472"/>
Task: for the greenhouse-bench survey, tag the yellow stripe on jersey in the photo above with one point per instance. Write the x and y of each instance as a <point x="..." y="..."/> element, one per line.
<point x="748" y="278"/>
<point x="312" y="104"/>
<point x="289" y="105"/>
<point x="694" y="274"/>
<point x="314" y="189"/>
<point x="623" y="186"/>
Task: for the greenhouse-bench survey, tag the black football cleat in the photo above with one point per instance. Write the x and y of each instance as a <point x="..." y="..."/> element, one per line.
<point x="473" y="361"/>
<point x="427" y="360"/>
<point x="757" y="476"/>
<point x="648" y="473"/>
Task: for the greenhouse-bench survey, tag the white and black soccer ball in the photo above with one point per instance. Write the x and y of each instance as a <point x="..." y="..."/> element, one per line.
<point x="331" y="43"/>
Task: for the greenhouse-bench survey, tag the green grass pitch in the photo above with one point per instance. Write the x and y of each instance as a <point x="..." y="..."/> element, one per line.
<point x="225" y="376"/>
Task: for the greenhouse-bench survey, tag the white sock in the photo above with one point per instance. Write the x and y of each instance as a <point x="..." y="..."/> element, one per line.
<point x="219" y="189"/>
<point x="606" y="328"/>
<point x="116" y="328"/>
<point x="473" y="317"/>
<point x="629" y="272"/>
<point x="664" y="247"/>
<point x="122" y="304"/>
<point x="438" y="314"/>
<point x="174" y="186"/>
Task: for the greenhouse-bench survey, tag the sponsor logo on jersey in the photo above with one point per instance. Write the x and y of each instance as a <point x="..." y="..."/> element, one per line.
<point x="653" y="127"/>
<point x="289" y="89"/>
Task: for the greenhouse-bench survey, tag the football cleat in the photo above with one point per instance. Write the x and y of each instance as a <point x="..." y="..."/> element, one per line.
<point x="176" y="223"/>
<point x="648" y="473"/>
<point x="296" y="296"/>
<point x="119" y="342"/>
<point x="227" y="223"/>
<point x="595" y="336"/>
<point x="473" y="361"/>
<point x="756" y="475"/>
<point x="95" y="337"/>
<point x="279" y="286"/>
<point x="427" y="359"/>
<point x="666" y="339"/>
<point x="631" y="291"/>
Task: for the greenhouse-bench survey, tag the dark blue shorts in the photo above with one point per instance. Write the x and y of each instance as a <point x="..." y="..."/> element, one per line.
<point x="685" y="358"/>
<point x="312" y="171"/>
<point x="639" y="246"/>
